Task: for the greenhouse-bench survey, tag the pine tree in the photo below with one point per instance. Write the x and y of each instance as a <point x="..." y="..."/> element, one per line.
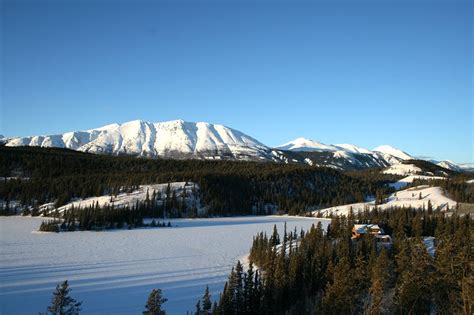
<point x="154" y="303"/>
<point x="206" y="302"/>
<point x="413" y="290"/>
<point x="62" y="303"/>
<point x="239" y="288"/>
<point x="198" y="308"/>
<point x="249" y="289"/>
<point x="275" y="238"/>
<point x="339" y="295"/>
<point x="380" y="280"/>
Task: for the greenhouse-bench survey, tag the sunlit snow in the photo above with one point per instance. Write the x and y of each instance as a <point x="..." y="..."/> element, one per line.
<point x="112" y="272"/>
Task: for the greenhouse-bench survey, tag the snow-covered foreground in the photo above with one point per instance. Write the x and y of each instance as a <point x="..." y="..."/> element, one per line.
<point x="113" y="272"/>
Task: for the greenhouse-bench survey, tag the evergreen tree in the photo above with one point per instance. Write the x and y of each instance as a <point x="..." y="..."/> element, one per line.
<point x="198" y="308"/>
<point x="413" y="290"/>
<point x="154" y="303"/>
<point x="340" y="294"/>
<point x="380" y="280"/>
<point x="206" y="302"/>
<point x="62" y="303"/>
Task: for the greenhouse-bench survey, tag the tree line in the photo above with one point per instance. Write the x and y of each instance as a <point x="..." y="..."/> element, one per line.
<point x="95" y="217"/>
<point x="51" y="175"/>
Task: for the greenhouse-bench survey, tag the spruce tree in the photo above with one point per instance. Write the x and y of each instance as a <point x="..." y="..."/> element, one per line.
<point x="62" y="303"/>
<point x="339" y="296"/>
<point x="206" y="302"/>
<point x="154" y="303"/>
<point x="379" y="283"/>
<point x="198" y="308"/>
<point x="413" y="290"/>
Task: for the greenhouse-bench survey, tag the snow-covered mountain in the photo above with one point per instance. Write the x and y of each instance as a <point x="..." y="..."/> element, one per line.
<point x="171" y="139"/>
<point x="403" y="169"/>
<point x="348" y="156"/>
<point x="344" y="156"/>
<point x="450" y="165"/>
<point x="180" y="140"/>
<point x="302" y="144"/>
<point x="386" y="149"/>
<point x="3" y="140"/>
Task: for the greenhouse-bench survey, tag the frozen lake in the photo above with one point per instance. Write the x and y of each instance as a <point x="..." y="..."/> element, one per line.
<point x="113" y="272"/>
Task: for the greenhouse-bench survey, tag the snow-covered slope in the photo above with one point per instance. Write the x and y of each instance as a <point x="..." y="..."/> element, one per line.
<point x="3" y="140"/>
<point x="450" y="165"/>
<point x="402" y="169"/>
<point x="131" y="198"/>
<point x="348" y="156"/>
<point x="402" y="183"/>
<point x="174" y="139"/>
<point x="339" y="156"/>
<point x="405" y="198"/>
<point x="303" y="144"/>
<point x="386" y="149"/>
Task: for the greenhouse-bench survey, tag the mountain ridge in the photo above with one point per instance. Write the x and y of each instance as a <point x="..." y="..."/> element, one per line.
<point x="173" y="139"/>
<point x="181" y="139"/>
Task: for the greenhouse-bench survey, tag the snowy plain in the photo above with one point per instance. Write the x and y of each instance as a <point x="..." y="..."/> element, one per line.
<point x="112" y="272"/>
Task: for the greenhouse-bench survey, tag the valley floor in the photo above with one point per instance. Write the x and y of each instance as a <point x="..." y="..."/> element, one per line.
<point x="113" y="272"/>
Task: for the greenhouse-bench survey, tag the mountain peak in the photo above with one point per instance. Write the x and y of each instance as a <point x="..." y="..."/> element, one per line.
<point x="169" y="139"/>
<point x="303" y="144"/>
<point x="388" y="149"/>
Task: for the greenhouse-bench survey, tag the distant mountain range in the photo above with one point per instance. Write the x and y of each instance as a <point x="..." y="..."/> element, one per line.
<point x="178" y="139"/>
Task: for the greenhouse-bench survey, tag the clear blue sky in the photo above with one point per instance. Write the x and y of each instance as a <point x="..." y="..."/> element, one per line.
<point x="361" y="72"/>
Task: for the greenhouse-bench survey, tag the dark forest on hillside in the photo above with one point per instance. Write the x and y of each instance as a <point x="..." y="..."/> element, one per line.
<point x="226" y="188"/>
<point x="330" y="273"/>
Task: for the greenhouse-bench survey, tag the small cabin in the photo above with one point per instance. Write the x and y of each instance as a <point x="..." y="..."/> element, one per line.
<point x="362" y="229"/>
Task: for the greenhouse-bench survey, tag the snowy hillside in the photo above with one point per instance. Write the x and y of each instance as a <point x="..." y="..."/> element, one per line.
<point x="402" y="183"/>
<point x="402" y="169"/>
<point x="386" y="149"/>
<point x="348" y="156"/>
<point x="302" y="144"/>
<point x="173" y="139"/>
<point x="405" y="198"/>
<point x="140" y="195"/>
<point x="338" y="156"/>
<point x="3" y="140"/>
<point x="450" y="165"/>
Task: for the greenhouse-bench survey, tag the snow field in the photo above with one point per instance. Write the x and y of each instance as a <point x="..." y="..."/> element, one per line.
<point x="113" y="272"/>
<point x="404" y="198"/>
